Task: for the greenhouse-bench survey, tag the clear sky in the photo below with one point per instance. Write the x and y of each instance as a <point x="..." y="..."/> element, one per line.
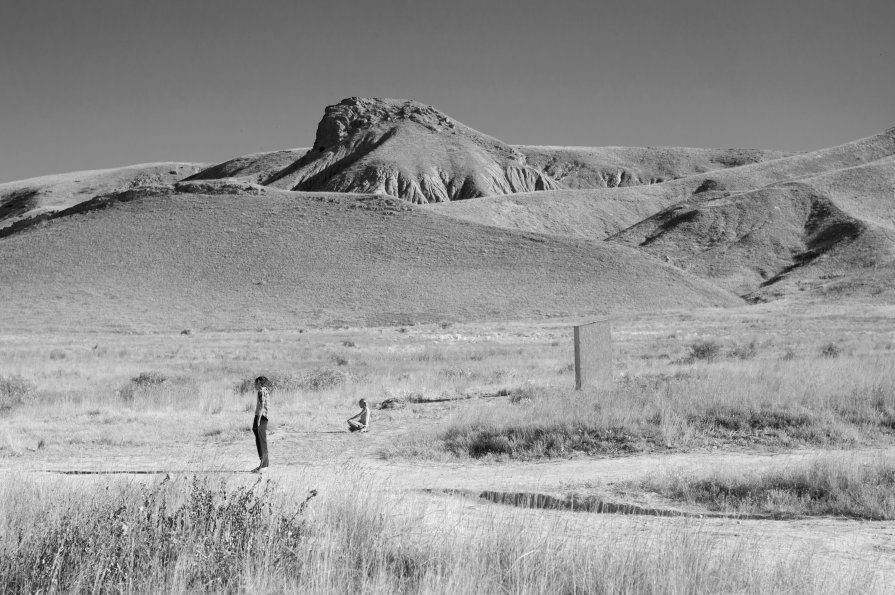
<point x="100" y="83"/>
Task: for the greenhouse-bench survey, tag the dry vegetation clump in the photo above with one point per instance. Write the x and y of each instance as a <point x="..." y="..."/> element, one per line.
<point x="712" y="350"/>
<point x="155" y="389"/>
<point x="192" y="535"/>
<point x="830" y="350"/>
<point x="183" y="536"/>
<point x="829" y="486"/>
<point x="319" y="379"/>
<point x="743" y="351"/>
<point x="14" y="391"/>
<point x="706" y="350"/>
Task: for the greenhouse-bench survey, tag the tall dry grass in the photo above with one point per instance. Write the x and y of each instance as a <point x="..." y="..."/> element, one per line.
<point x="195" y="535"/>
<point x="839" y="486"/>
<point x="819" y="401"/>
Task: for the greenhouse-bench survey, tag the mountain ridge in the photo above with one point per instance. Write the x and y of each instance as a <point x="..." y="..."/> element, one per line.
<point x="517" y="231"/>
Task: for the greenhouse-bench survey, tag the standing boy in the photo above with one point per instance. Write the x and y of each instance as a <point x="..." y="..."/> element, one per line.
<point x="259" y="425"/>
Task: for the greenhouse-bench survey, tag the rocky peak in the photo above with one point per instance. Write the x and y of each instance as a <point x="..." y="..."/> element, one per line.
<point x="359" y="113"/>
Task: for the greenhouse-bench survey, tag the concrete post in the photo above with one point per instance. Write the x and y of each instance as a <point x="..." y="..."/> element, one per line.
<point x="593" y="354"/>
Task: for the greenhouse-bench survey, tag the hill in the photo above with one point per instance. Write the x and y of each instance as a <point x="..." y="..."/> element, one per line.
<point x="49" y="194"/>
<point x="347" y="231"/>
<point x="229" y="256"/>
<point x="833" y="233"/>
<point x="600" y="212"/>
<point x="408" y="150"/>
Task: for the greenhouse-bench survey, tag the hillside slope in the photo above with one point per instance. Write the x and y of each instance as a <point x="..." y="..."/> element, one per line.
<point x="253" y="168"/>
<point x="213" y="255"/>
<point x="601" y="212"/>
<point x="612" y="167"/>
<point x="836" y="225"/>
<point x="584" y="214"/>
<point x="33" y="197"/>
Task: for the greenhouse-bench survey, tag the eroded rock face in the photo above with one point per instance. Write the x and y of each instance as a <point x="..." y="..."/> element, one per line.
<point x="409" y="150"/>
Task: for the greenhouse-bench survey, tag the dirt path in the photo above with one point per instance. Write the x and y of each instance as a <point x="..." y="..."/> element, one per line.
<point x="300" y="457"/>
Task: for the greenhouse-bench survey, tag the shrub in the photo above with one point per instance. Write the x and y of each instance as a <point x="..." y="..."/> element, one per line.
<point x="323" y="379"/>
<point x="148" y="379"/>
<point x="526" y="393"/>
<point x="14" y="391"/>
<point x="57" y="354"/>
<point x="149" y="387"/>
<point x="282" y="382"/>
<point x="706" y="350"/>
<point x="830" y="350"/>
<point x="315" y="380"/>
<point x="743" y="351"/>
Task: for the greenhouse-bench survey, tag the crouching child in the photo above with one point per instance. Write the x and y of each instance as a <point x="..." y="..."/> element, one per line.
<point x="361" y="421"/>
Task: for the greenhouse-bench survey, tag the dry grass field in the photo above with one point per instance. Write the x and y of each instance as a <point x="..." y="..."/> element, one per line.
<point x="747" y="450"/>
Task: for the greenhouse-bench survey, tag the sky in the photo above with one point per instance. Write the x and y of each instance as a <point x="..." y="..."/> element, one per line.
<point x="97" y="83"/>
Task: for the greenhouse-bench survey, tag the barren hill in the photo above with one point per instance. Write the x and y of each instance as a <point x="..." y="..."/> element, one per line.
<point x="838" y="225"/>
<point x="48" y="194"/>
<point x="216" y="255"/>
<point x="600" y="212"/>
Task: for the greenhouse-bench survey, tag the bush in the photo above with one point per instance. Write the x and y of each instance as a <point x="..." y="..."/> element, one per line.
<point x="315" y="380"/>
<point x="15" y="391"/>
<point x="323" y="379"/>
<point x="157" y="388"/>
<point x="743" y="351"/>
<point x="140" y="382"/>
<point x="341" y="360"/>
<point x="527" y="392"/>
<point x="707" y="350"/>
<point x="149" y="379"/>
<point x="830" y="350"/>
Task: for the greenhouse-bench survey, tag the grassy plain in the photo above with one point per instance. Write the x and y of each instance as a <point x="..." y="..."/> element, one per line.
<point x="94" y="422"/>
